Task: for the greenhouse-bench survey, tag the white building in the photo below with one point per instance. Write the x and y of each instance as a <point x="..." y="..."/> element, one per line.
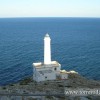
<point x="63" y="74"/>
<point x="47" y="70"/>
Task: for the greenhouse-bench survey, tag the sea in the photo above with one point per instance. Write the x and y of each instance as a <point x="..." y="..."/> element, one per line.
<point x="75" y="44"/>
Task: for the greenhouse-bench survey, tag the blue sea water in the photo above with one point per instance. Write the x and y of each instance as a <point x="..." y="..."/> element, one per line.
<point x="75" y="44"/>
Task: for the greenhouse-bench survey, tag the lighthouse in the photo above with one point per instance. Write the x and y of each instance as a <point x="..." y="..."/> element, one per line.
<point x="47" y="49"/>
<point x="48" y="69"/>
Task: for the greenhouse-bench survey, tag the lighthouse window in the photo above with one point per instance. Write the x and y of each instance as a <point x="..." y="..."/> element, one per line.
<point x="55" y="68"/>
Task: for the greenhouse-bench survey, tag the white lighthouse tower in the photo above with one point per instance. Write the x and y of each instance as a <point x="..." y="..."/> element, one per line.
<point x="47" y="70"/>
<point x="47" y="49"/>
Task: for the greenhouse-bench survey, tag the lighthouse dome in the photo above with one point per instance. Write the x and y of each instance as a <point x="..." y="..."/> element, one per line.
<point x="47" y="35"/>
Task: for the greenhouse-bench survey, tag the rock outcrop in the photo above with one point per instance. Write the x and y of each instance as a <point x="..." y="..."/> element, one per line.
<point x="54" y="90"/>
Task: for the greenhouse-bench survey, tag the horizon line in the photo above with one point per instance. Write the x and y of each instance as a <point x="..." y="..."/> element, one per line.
<point x="50" y="17"/>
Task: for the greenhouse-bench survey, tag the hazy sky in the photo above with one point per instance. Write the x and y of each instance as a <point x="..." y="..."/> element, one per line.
<point x="49" y="8"/>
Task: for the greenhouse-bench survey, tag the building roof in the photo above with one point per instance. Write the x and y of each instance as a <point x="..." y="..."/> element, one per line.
<point x="42" y="65"/>
<point x="63" y="71"/>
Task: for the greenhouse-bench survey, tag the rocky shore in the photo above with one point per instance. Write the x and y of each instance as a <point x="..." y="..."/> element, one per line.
<point x="28" y="89"/>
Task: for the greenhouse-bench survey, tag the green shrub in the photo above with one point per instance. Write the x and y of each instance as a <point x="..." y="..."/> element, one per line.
<point x="25" y="81"/>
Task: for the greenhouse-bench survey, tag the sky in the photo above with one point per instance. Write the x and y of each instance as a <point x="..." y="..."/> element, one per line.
<point x="49" y="8"/>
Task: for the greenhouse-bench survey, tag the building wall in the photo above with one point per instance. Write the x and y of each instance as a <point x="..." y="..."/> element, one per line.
<point x="45" y="76"/>
<point x="36" y="75"/>
<point x="57" y="70"/>
<point x="64" y="76"/>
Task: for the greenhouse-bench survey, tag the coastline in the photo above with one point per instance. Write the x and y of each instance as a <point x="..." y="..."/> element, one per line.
<point x="74" y="81"/>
